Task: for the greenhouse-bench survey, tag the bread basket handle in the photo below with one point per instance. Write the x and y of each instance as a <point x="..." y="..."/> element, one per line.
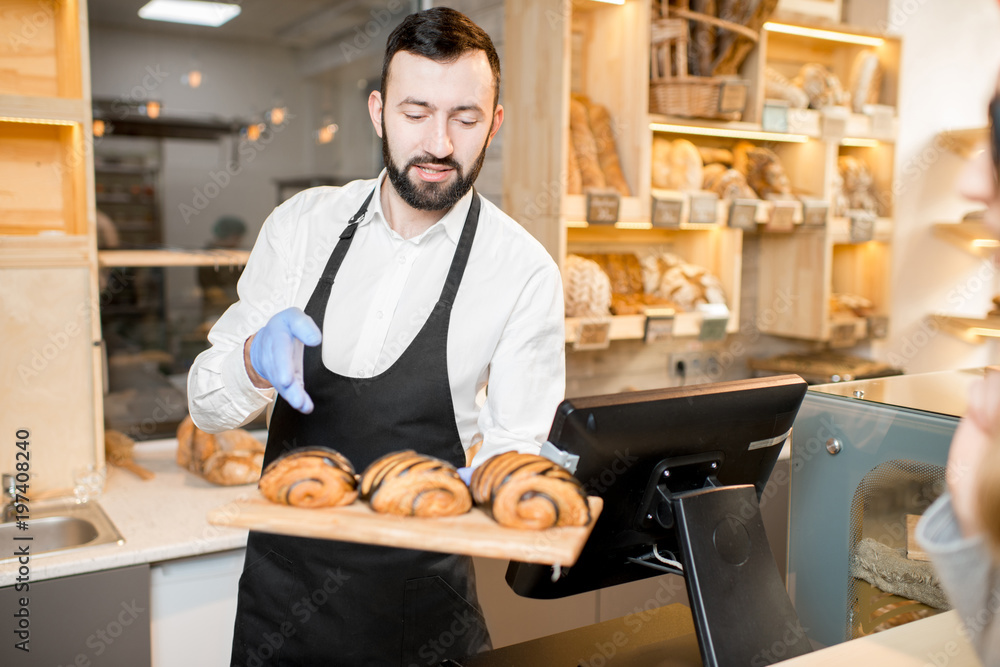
<point x="714" y="20"/>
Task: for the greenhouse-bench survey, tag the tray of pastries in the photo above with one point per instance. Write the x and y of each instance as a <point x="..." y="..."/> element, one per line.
<point x="517" y="506"/>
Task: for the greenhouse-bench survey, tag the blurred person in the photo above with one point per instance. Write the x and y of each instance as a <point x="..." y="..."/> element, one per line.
<point x="961" y="530"/>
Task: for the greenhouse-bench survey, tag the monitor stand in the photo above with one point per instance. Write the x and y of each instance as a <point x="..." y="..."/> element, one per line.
<point x="741" y="610"/>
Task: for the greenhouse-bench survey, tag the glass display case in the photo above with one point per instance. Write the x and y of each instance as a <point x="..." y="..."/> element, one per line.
<point x="867" y="459"/>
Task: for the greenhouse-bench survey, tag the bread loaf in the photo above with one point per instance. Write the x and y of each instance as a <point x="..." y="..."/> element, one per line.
<point x="668" y="276"/>
<point x="711" y="174"/>
<point x="822" y="86"/>
<point x="228" y="458"/>
<point x="732" y="184"/>
<point x="686" y="167"/>
<point x="866" y="76"/>
<point x="765" y="173"/>
<point x="586" y="288"/>
<point x="857" y="186"/>
<point x="661" y="162"/>
<point x="406" y="483"/>
<point x="710" y="155"/>
<point x="529" y="492"/>
<point x="607" y="151"/>
<point x="778" y="87"/>
<point x="584" y="145"/>
<point x="740" y="161"/>
<point x="310" y="477"/>
<point x="574" y="181"/>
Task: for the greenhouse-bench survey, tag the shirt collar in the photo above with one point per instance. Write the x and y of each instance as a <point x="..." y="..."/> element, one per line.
<point x="452" y="222"/>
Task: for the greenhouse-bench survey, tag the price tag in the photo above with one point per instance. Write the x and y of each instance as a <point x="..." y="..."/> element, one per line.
<point x="834" y="127"/>
<point x="775" y="116"/>
<point x="667" y="212"/>
<point x="704" y="208"/>
<point x="878" y="327"/>
<point x="814" y="213"/>
<point x="603" y="207"/>
<point x="782" y="217"/>
<point x="862" y="227"/>
<point x="594" y="335"/>
<point x="715" y="317"/>
<point x="659" y="325"/>
<point x="743" y="214"/>
<point x="843" y="334"/>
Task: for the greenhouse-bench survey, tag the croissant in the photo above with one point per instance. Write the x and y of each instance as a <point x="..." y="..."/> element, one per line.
<point x="311" y="477"/>
<point x="227" y="458"/>
<point x="529" y="492"/>
<point x="411" y="484"/>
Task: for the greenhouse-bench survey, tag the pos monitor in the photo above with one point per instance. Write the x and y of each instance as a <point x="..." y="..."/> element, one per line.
<point x="681" y="472"/>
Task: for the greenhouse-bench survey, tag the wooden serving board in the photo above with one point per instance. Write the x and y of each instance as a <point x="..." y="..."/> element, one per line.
<point x="471" y="534"/>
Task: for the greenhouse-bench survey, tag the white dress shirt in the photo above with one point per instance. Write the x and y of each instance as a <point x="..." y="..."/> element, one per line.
<point x="506" y="324"/>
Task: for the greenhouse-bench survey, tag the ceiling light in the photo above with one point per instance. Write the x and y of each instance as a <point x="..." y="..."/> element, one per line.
<point x="193" y="12"/>
<point x="192" y="78"/>
<point x="830" y="35"/>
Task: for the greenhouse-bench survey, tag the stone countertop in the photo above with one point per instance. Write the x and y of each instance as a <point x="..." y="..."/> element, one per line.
<point x="160" y="519"/>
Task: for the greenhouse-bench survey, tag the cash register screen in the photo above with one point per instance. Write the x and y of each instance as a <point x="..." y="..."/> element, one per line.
<point x="637" y="448"/>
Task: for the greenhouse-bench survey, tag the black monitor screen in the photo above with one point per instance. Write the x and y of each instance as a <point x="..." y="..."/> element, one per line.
<point x="636" y="449"/>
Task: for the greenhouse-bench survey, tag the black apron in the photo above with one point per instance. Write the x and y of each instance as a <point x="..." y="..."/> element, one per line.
<point x="311" y="602"/>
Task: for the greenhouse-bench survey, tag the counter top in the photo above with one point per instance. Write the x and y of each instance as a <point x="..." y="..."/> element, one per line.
<point x="160" y="519"/>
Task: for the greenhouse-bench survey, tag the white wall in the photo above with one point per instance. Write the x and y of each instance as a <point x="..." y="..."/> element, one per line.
<point x="951" y="55"/>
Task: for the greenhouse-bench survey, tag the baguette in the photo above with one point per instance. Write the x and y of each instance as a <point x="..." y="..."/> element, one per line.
<point x="585" y="145"/>
<point x="607" y="152"/>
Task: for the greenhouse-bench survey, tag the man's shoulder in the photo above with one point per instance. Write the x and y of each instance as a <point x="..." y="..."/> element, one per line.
<point x="322" y="196"/>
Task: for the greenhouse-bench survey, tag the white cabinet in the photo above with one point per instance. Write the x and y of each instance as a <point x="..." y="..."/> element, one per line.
<point x="193" y="607"/>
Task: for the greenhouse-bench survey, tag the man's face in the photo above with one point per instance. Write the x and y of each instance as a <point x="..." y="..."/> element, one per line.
<point x="435" y="123"/>
<point x="978" y="181"/>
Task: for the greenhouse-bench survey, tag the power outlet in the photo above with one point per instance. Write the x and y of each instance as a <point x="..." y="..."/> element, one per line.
<point x="696" y="365"/>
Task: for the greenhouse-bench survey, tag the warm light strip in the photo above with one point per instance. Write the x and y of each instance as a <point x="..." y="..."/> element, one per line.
<point x="634" y="225"/>
<point x="982" y="331"/>
<point x="577" y="224"/>
<point x="857" y="141"/>
<point x="612" y="2"/>
<point x="729" y="133"/>
<point x="37" y="121"/>
<point x="829" y="35"/>
<point x="986" y="243"/>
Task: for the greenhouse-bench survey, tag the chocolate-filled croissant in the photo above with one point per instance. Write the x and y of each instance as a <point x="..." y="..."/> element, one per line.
<point x="311" y="477"/>
<point x="411" y="484"/>
<point x="529" y="492"/>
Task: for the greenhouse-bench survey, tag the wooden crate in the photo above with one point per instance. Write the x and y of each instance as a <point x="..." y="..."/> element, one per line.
<point x="42" y="179"/>
<point x="41" y="49"/>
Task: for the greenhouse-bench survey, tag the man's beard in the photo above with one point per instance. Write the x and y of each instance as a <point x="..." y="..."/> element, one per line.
<point x="430" y="196"/>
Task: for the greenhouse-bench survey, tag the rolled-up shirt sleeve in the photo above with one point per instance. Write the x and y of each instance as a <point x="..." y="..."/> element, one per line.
<point x="527" y="378"/>
<point x="968" y="573"/>
<point x="220" y="393"/>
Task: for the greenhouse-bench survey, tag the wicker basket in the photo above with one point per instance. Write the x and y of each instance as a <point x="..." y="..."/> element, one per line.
<point x="674" y="92"/>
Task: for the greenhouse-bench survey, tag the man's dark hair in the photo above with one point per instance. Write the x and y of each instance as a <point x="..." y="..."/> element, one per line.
<point x="443" y="35"/>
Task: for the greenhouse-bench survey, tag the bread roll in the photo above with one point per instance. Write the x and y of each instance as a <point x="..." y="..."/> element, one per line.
<point x="857" y="186"/>
<point x="529" y="492"/>
<point x="686" y="168"/>
<point x="310" y="477"/>
<point x="585" y="145"/>
<point x="586" y="288"/>
<point x="778" y="87"/>
<point x="822" y="86"/>
<point x="209" y="455"/>
<point x="740" y="161"/>
<point x="669" y="277"/>
<point x="710" y="155"/>
<point x="765" y="173"/>
<point x="406" y="483"/>
<point x="607" y="151"/>
<point x="732" y="184"/>
<point x="711" y="174"/>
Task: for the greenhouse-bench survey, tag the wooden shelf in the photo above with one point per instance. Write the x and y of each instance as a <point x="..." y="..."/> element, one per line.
<point x="42" y="54"/>
<point x="974" y="237"/>
<point x="964" y="141"/>
<point x="803" y="124"/>
<point x="41" y="109"/>
<point x="574" y="209"/>
<point x="623" y="327"/>
<point x="840" y="231"/>
<point x="134" y="258"/>
<point x="969" y="329"/>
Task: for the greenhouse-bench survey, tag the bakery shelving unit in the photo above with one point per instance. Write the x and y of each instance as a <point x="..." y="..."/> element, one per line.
<point x="48" y="260"/>
<point x="600" y="50"/>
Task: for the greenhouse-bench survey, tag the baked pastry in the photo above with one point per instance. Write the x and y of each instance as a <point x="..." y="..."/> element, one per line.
<point x="661" y="162"/>
<point x="529" y="492"/>
<point x="667" y="276"/>
<point x="118" y="451"/>
<point x="853" y="304"/>
<point x="711" y="174"/>
<point x="856" y="186"/>
<point x="310" y="477"/>
<point x="406" y="483"/>
<point x="686" y="167"/>
<point x="866" y="76"/>
<point x="778" y="87"/>
<point x="710" y="155"/>
<point x="228" y="458"/>
<point x="584" y="145"/>
<point x="740" y="160"/>
<point x="731" y="184"/>
<point x="822" y="86"/>
<point x="607" y="152"/>
<point x="765" y="173"/>
<point x="586" y="288"/>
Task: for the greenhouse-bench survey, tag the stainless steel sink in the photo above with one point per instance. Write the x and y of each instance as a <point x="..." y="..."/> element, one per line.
<point x="57" y="526"/>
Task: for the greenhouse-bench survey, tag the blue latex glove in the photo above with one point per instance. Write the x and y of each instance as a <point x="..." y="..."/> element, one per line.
<point x="466" y="475"/>
<point x="276" y="354"/>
